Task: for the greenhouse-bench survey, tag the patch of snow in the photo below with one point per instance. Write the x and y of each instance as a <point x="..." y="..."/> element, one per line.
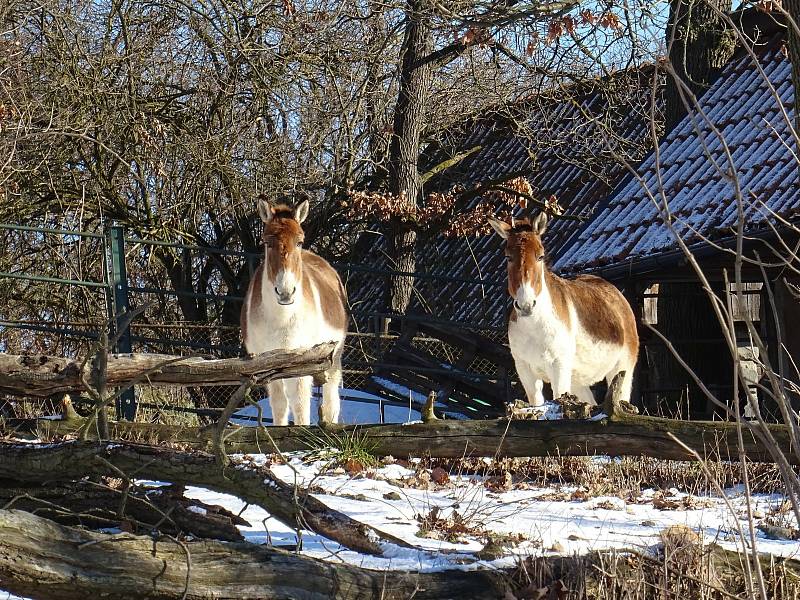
<point x="198" y="509"/>
<point x="357" y="408"/>
<point x="552" y="412"/>
<point x="546" y="516"/>
<point x="395" y="471"/>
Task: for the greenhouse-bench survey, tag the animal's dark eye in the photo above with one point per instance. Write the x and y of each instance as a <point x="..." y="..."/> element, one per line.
<point x="300" y="244"/>
<point x="541" y="258"/>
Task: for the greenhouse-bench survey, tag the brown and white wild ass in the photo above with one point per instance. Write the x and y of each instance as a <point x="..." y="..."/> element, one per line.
<point x="295" y="300"/>
<point x="570" y="332"/>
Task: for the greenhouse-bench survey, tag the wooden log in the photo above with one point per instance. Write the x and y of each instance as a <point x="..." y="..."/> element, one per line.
<point x="139" y="509"/>
<point x="42" y="559"/>
<point x="37" y="463"/>
<point x="624" y="435"/>
<point x="38" y="375"/>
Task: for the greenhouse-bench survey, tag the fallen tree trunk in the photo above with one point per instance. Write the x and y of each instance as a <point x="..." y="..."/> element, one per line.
<point x="41" y="559"/>
<point x="45" y="560"/>
<point x="624" y="435"/>
<point x="36" y="375"/>
<point x="137" y="510"/>
<point x="75" y="460"/>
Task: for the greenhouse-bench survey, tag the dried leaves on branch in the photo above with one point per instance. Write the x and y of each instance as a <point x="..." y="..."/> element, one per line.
<point x="444" y="212"/>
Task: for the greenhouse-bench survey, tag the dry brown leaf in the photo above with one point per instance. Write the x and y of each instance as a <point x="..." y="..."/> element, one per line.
<point x="440" y="476"/>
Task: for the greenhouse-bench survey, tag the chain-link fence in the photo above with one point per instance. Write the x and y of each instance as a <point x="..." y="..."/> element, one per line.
<point x="185" y="300"/>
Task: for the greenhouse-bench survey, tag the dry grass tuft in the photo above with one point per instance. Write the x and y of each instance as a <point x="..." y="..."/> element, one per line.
<point x="625" y="477"/>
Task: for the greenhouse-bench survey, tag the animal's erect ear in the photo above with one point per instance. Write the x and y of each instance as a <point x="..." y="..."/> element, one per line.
<point x="265" y="209"/>
<point x="501" y="227"/>
<point x="301" y="211"/>
<point x="539" y="224"/>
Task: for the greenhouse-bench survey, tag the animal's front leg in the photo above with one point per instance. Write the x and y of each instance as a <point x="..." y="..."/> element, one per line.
<point x="300" y="398"/>
<point x="330" y="396"/>
<point x="531" y="383"/>
<point x="561" y="378"/>
<point x="278" y="402"/>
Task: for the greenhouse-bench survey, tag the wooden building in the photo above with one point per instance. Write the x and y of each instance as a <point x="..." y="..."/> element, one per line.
<point x="733" y="160"/>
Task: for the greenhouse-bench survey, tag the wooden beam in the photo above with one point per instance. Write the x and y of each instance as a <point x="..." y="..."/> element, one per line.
<point x="38" y="375"/>
<point x="624" y="435"/>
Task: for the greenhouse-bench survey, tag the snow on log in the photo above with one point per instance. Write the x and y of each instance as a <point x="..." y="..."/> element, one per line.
<point x="39" y="375"/>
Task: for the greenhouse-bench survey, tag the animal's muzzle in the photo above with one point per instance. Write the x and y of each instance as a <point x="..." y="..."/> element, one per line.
<point x="524" y="310"/>
<point x="285" y="298"/>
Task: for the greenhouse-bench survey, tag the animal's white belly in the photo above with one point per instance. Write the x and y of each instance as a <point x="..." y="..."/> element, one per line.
<point x="276" y="331"/>
<point x="594" y="359"/>
<point x="538" y="345"/>
<point x="542" y="345"/>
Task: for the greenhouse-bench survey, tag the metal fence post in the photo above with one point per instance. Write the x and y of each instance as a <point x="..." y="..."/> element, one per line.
<point x="126" y="402"/>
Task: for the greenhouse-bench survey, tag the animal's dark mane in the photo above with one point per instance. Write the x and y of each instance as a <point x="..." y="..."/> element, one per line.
<point x="282" y="211"/>
<point x="522" y="226"/>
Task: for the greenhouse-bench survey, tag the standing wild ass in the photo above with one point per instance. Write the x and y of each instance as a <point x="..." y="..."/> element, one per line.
<point x="295" y="300"/>
<point x="572" y="333"/>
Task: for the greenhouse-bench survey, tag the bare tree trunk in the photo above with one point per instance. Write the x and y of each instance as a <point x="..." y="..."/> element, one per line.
<point x="700" y="48"/>
<point x="290" y="505"/>
<point x="48" y="375"/>
<point x="404" y="151"/>
<point x="141" y="510"/>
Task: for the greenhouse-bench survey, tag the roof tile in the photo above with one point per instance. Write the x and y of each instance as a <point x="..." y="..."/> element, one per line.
<point x="740" y="104"/>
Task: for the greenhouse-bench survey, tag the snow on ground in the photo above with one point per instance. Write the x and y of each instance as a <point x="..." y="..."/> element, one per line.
<point x="538" y="520"/>
<point x="498" y="522"/>
<point x="527" y="519"/>
<point x="357" y="407"/>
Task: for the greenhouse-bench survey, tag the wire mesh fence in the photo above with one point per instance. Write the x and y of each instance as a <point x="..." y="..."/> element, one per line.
<point x="186" y="301"/>
<point x="61" y="289"/>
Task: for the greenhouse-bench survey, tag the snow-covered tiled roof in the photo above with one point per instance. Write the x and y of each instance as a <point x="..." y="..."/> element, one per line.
<point x="694" y="173"/>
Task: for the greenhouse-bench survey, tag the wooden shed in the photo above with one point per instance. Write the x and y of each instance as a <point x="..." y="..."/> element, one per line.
<point x="733" y="160"/>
